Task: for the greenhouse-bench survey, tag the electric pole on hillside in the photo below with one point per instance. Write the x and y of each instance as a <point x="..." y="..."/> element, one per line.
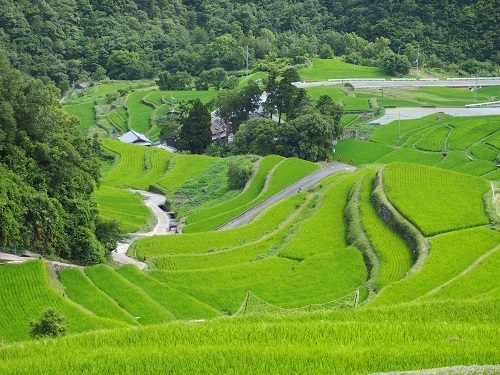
<point x="475" y="91"/>
<point x="247" y="59"/>
<point x="418" y="55"/>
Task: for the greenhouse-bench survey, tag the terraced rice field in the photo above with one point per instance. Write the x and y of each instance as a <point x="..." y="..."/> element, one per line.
<point x="85" y="113"/>
<point x="293" y="255"/>
<point x="436" y="201"/>
<point x="464" y="144"/>
<point x="25" y="292"/>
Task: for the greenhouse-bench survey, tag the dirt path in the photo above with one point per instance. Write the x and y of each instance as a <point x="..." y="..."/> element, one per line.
<point x="302" y="184"/>
<point x="153" y="202"/>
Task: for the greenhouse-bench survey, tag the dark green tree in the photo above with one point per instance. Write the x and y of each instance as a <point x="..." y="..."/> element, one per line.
<point x="238" y="175"/>
<point x="333" y="112"/>
<point x="195" y="134"/>
<point x="235" y="106"/>
<point x="178" y="81"/>
<point x="123" y="64"/>
<point x="51" y="323"/>
<point x="283" y="96"/>
<point x="396" y="65"/>
<point x="307" y="137"/>
<point x="49" y="172"/>
<point x="256" y="136"/>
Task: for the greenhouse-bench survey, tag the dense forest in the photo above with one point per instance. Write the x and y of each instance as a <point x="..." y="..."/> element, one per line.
<point x="65" y="41"/>
<point x="48" y="173"/>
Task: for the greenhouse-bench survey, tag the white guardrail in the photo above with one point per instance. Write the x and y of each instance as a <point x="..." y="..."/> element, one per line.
<point x="474" y="79"/>
<point x="487" y="104"/>
<point x="357" y="79"/>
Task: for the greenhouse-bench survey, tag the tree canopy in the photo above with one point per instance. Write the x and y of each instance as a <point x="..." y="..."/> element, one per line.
<point x="195" y="134"/>
<point x="65" y="41"/>
<point x="49" y="172"/>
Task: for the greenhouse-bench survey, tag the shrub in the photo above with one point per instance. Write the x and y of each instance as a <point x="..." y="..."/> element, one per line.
<point x="51" y="323"/>
<point x="238" y="175"/>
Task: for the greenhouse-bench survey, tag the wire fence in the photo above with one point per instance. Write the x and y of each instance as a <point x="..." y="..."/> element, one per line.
<point x="255" y="305"/>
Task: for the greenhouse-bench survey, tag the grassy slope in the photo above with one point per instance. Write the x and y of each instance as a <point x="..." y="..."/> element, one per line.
<point x="450" y="254"/>
<point x="128" y="296"/>
<point x="435" y="200"/>
<point x="345" y="342"/>
<point x="25" y="292"/>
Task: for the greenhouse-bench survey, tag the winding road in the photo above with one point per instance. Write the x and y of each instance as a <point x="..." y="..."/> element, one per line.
<point x="153" y="202"/>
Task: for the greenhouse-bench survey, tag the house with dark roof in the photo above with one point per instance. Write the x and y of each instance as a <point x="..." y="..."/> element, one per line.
<point x="136" y="138"/>
<point x="79" y="87"/>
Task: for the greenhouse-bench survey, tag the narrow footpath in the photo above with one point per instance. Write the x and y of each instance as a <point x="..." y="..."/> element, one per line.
<point x="153" y="202"/>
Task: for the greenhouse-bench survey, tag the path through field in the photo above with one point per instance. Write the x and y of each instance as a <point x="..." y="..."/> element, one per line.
<point x="303" y="184"/>
<point x="153" y="201"/>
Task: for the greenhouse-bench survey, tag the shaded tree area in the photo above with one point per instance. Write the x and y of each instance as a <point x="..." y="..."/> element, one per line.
<point x="195" y="134"/>
<point x="48" y="171"/>
<point x="66" y="41"/>
<point x="235" y="106"/>
<point x="307" y="133"/>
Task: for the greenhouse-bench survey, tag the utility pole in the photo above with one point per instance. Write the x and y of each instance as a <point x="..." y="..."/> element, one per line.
<point x="475" y="91"/>
<point x="418" y="54"/>
<point x="172" y="99"/>
<point x="247" y="59"/>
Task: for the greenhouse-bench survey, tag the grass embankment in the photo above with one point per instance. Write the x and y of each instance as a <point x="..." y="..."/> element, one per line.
<point x="450" y="255"/>
<point x="279" y="177"/>
<point x="25" y="292"/>
<point x="448" y="333"/>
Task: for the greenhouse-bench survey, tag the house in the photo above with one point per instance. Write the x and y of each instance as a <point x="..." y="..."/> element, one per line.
<point x="136" y="138"/>
<point x="220" y="129"/>
<point x="79" y="87"/>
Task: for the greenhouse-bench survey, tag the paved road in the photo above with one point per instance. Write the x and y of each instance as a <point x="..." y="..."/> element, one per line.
<point x="393" y="114"/>
<point x="369" y="84"/>
<point x="153" y="201"/>
<point x="302" y="184"/>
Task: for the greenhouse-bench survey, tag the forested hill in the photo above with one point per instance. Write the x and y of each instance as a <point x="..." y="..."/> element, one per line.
<point x="47" y="174"/>
<point x="72" y="40"/>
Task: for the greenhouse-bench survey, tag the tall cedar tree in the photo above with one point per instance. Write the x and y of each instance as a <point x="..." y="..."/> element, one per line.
<point x="195" y="134"/>
<point x="48" y="173"/>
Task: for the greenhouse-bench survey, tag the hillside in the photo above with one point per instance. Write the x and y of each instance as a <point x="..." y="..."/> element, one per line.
<point x="66" y="41"/>
<point x="425" y="269"/>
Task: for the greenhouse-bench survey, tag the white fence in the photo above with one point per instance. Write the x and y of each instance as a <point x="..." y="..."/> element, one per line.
<point x="473" y="79"/>
<point x="485" y="104"/>
<point x="356" y="80"/>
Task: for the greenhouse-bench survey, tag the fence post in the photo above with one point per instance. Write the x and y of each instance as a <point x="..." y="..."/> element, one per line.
<point x="246" y="302"/>
<point x="356" y="298"/>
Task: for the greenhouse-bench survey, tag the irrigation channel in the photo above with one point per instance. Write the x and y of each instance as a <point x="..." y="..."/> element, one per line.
<point x="154" y="201"/>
